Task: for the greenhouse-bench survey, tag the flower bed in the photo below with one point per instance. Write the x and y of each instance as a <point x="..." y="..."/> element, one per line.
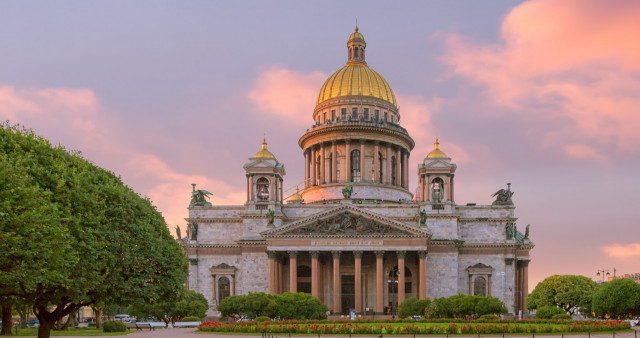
<point x="404" y="328"/>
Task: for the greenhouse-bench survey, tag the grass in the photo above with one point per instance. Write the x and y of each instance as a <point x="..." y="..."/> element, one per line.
<point x="73" y="332"/>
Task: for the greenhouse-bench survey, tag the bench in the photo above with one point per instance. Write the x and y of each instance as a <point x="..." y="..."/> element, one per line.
<point x="186" y="324"/>
<point x="141" y="326"/>
<point x="131" y="326"/>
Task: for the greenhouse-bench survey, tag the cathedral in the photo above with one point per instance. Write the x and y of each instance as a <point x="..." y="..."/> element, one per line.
<point x="355" y="236"/>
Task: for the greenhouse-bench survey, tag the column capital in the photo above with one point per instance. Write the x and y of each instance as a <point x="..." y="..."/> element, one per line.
<point x="401" y="254"/>
<point x="347" y="141"/>
<point x="362" y="141"/>
<point x="379" y="254"/>
<point x="336" y="254"/>
<point x="314" y="254"/>
<point x="292" y="254"/>
<point x="357" y="254"/>
<point x="523" y="262"/>
<point x="422" y="254"/>
<point x="271" y="254"/>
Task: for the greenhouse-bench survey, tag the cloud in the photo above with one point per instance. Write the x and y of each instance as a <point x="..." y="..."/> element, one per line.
<point x="622" y="251"/>
<point x="569" y="68"/>
<point x="75" y="118"/>
<point x="287" y="94"/>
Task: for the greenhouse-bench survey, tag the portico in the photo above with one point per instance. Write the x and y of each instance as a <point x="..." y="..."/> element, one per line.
<point x="348" y="259"/>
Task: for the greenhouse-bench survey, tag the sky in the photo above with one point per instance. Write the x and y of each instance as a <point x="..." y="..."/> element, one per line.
<point x="543" y="94"/>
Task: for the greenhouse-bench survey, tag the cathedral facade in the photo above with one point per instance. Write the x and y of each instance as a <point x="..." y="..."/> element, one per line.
<point x="355" y="236"/>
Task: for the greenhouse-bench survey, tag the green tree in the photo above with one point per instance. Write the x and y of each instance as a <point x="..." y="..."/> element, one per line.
<point x="299" y="306"/>
<point x="568" y="292"/>
<point x="72" y="234"/>
<point x="413" y="306"/>
<point x="618" y="298"/>
<point x="190" y="303"/>
<point x="548" y="311"/>
<point x="487" y="305"/>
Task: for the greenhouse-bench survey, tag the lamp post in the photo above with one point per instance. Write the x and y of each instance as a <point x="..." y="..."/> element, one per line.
<point x="603" y="272"/>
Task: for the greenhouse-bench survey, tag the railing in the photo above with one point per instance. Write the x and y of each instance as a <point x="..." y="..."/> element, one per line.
<point x="372" y="123"/>
<point x="633" y="334"/>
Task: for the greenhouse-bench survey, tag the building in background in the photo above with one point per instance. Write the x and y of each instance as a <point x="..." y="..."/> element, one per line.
<point x="355" y="236"/>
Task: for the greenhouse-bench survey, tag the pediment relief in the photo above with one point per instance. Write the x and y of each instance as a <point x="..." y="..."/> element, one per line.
<point x="438" y="164"/>
<point x="346" y="221"/>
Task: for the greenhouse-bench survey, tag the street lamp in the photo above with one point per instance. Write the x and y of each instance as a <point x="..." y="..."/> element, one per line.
<point x="603" y="272"/>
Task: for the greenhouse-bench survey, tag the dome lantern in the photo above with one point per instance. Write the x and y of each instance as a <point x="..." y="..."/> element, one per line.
<point x="356" y="46"/>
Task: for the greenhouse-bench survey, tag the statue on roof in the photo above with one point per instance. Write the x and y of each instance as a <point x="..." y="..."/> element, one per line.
<point x="270" y="216"/>
<point x="347" y="191"/>
<point x="199" y="197"/>
<point x="178" y="234"/>
<point x="503" y="197"/>
<point x="510" y="230"/>
<point x="423" y="217"/>
<point x="526" y="232"/>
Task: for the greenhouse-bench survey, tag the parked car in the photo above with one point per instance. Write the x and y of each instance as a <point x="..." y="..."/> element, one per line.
<point x="33" y="322"/>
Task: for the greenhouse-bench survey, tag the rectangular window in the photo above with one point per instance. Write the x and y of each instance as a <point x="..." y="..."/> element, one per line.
<point x="324" y="117"/>
<point x="354" y="113"/>
<point x="343" y="114"/>
<point x="377" y="114"/>
<point x="333" y="115"/>
<point x="366" y="114"/>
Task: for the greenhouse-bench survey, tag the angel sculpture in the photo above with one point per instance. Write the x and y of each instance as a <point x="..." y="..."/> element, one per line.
<point x="199" y="197"/>
<point x="270" y="216"/>
<point x="503" y="197"/>
<point x="178" y="234"/>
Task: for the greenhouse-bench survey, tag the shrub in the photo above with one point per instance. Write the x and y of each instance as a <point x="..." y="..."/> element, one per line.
<point x="262" y="319"/>
<point x="547" y="312"/>
<point x="114" y="326"/>
<point x="299" y="306"/>
<point x="488" y="317"/>
<point x="561" y="316"/>
<point x="190" y="319"/>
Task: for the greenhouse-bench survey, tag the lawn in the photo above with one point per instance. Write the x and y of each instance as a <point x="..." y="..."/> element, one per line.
<point x="72" y="332"/>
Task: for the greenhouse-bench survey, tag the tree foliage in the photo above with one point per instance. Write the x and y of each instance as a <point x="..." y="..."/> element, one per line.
<point x="190" y="303"/>
<point x="413" y="307"/>
<point x="618" y="298"/>
<point x="458" y="306"/>
<point x="72" y="234"/>
<point x="568" y="292"/>
<point x="284" y="306"/>
<point x="548" y="311"/>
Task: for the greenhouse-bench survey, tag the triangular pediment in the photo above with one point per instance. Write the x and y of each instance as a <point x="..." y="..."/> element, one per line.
<point x="261" y="163"/>
<point x="438" y="164"/>
<point x="346" y="221"/>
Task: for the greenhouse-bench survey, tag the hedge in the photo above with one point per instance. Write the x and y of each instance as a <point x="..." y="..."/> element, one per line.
<point x="114" y="326"/>
<point x="358" y="327"/>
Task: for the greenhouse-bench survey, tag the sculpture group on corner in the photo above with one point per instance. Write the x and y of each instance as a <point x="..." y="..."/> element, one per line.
<point x="199" y="197"/>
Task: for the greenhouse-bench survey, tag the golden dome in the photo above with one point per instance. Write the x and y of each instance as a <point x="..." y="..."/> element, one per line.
<point x="264" y="153"/>
<point x="296" y="197"/>
<point x="437" y="152"/>
<point x="356" y="79"/>
<point x="356" y="36"/>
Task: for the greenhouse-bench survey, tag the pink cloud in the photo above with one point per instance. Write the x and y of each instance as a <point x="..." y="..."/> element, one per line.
<point x="570" y="66"/>
<point x="288" y="94"/>
<point x="622" y="251"/>
<point x="70" y="117"/>
<point x="583" y="151"/>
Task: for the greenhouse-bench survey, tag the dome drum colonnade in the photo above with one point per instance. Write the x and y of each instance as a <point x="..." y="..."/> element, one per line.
<point x="356" y="139"/>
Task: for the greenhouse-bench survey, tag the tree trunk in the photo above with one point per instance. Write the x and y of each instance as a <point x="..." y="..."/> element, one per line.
<point x="44" y="331"/>
<point x="6" y="318"/>
<point x="98" y="313"/>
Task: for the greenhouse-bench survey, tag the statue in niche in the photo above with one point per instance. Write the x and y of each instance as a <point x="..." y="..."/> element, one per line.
<point x="270" y="216"/>
<point x="199" y="197"/>
<point x="503" y="197"/>
<point x="178" y="234"/>
<point x="347" y="191"/>
<point x="526" y="232"/>
<point x="437" y="195"/>
<point x="423" y="217"/>
<point x="194" y="231"/>
<point x="510" y="230"/>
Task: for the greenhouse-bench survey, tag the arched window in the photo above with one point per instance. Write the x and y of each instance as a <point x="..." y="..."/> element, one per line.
<point x="480" y="286"/>
<point x="393" y="170"/>
<point x="224" y="288"/>
<point x="380" y="166"/>
<point x="437" y="190"/>
<point x="355" y="166"/>
<point x="262" y="189"/>
<point x="356" y="52"/>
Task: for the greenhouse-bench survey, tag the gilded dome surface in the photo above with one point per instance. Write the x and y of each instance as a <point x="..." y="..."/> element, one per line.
<point x="436" y="152"/>
<point x="264" y="152"/>
<point x="356" y="79"/>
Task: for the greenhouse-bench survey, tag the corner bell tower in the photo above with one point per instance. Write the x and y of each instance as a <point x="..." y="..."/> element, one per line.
<point x="264" y="180"/>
